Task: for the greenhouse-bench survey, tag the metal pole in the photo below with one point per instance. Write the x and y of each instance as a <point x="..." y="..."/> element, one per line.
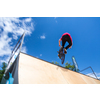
<point x="16" y="50"/>
<point x="17" y="43"/>
<point x="21" y="42"/>
<point x="91" y="69"/>
<point x="93" y="72"/>
<point x="84" y="69"/>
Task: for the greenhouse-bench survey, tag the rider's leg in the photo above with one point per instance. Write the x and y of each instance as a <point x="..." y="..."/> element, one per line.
<point x="68" y="45"/>
<point x="63" y="43"/>
<point x="67" y="38"/>
<point x="64" y="39"/>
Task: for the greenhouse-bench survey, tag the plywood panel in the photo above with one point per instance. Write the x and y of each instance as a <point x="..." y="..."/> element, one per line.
<point x="35" y="71"/>
<point x="72" y="77"/>
<point x="32" y="70"/>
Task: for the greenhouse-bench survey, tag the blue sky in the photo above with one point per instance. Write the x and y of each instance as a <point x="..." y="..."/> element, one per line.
<point x="43" y="33"/>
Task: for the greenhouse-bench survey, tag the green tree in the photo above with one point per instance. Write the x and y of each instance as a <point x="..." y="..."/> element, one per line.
<point x="52" y="62"/>
<point x="4" y="65"/>
<point x="56" y="63"/>
<point x="69" y="66"/>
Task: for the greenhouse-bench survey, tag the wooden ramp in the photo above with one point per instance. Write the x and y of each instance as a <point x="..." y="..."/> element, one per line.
<point x="32" y="70"/>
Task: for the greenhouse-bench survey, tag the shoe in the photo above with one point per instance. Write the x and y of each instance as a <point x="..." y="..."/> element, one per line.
<point x="59" y="56"/>
<point x="65" y="51"/>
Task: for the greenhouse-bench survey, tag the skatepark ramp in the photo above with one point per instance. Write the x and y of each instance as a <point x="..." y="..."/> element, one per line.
<point x="31" y="70"/>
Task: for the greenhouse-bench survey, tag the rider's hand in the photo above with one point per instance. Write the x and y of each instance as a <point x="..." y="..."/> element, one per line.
<point x="70" y="47"/>
<point x="59" y="42"/>
<point x="59" y="45"/>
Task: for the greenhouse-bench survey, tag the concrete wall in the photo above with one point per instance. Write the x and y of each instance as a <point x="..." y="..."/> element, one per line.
<point x="35" y="71"/>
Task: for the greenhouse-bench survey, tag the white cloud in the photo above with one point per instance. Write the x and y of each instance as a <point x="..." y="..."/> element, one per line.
<point x="42" y="37"/>
<point x="92" y="75"/>
<point x="40" y="54"/>
<point x="55" y="19"/>
<point x="5" y="48"/>
<point x="15" y="27"/>
<point x="98" y="75"/>
<point x="28" y="19"/>
<point x="36" y="56"/>
<point x="4" y="60"/>
<point x="24" y="50"/>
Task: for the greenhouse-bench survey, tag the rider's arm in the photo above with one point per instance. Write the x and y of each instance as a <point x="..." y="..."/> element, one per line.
<point x="59" y="42"/>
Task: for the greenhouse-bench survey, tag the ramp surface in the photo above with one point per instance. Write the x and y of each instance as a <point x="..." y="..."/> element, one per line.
<point x="32" y="70"/>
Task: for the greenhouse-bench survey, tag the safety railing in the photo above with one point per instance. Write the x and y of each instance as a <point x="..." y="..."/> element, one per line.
<point x="91" y="69"/>
<point x="17" y="47"/>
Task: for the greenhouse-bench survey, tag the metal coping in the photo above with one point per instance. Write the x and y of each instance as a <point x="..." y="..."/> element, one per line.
<point x="57" y="65"/>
